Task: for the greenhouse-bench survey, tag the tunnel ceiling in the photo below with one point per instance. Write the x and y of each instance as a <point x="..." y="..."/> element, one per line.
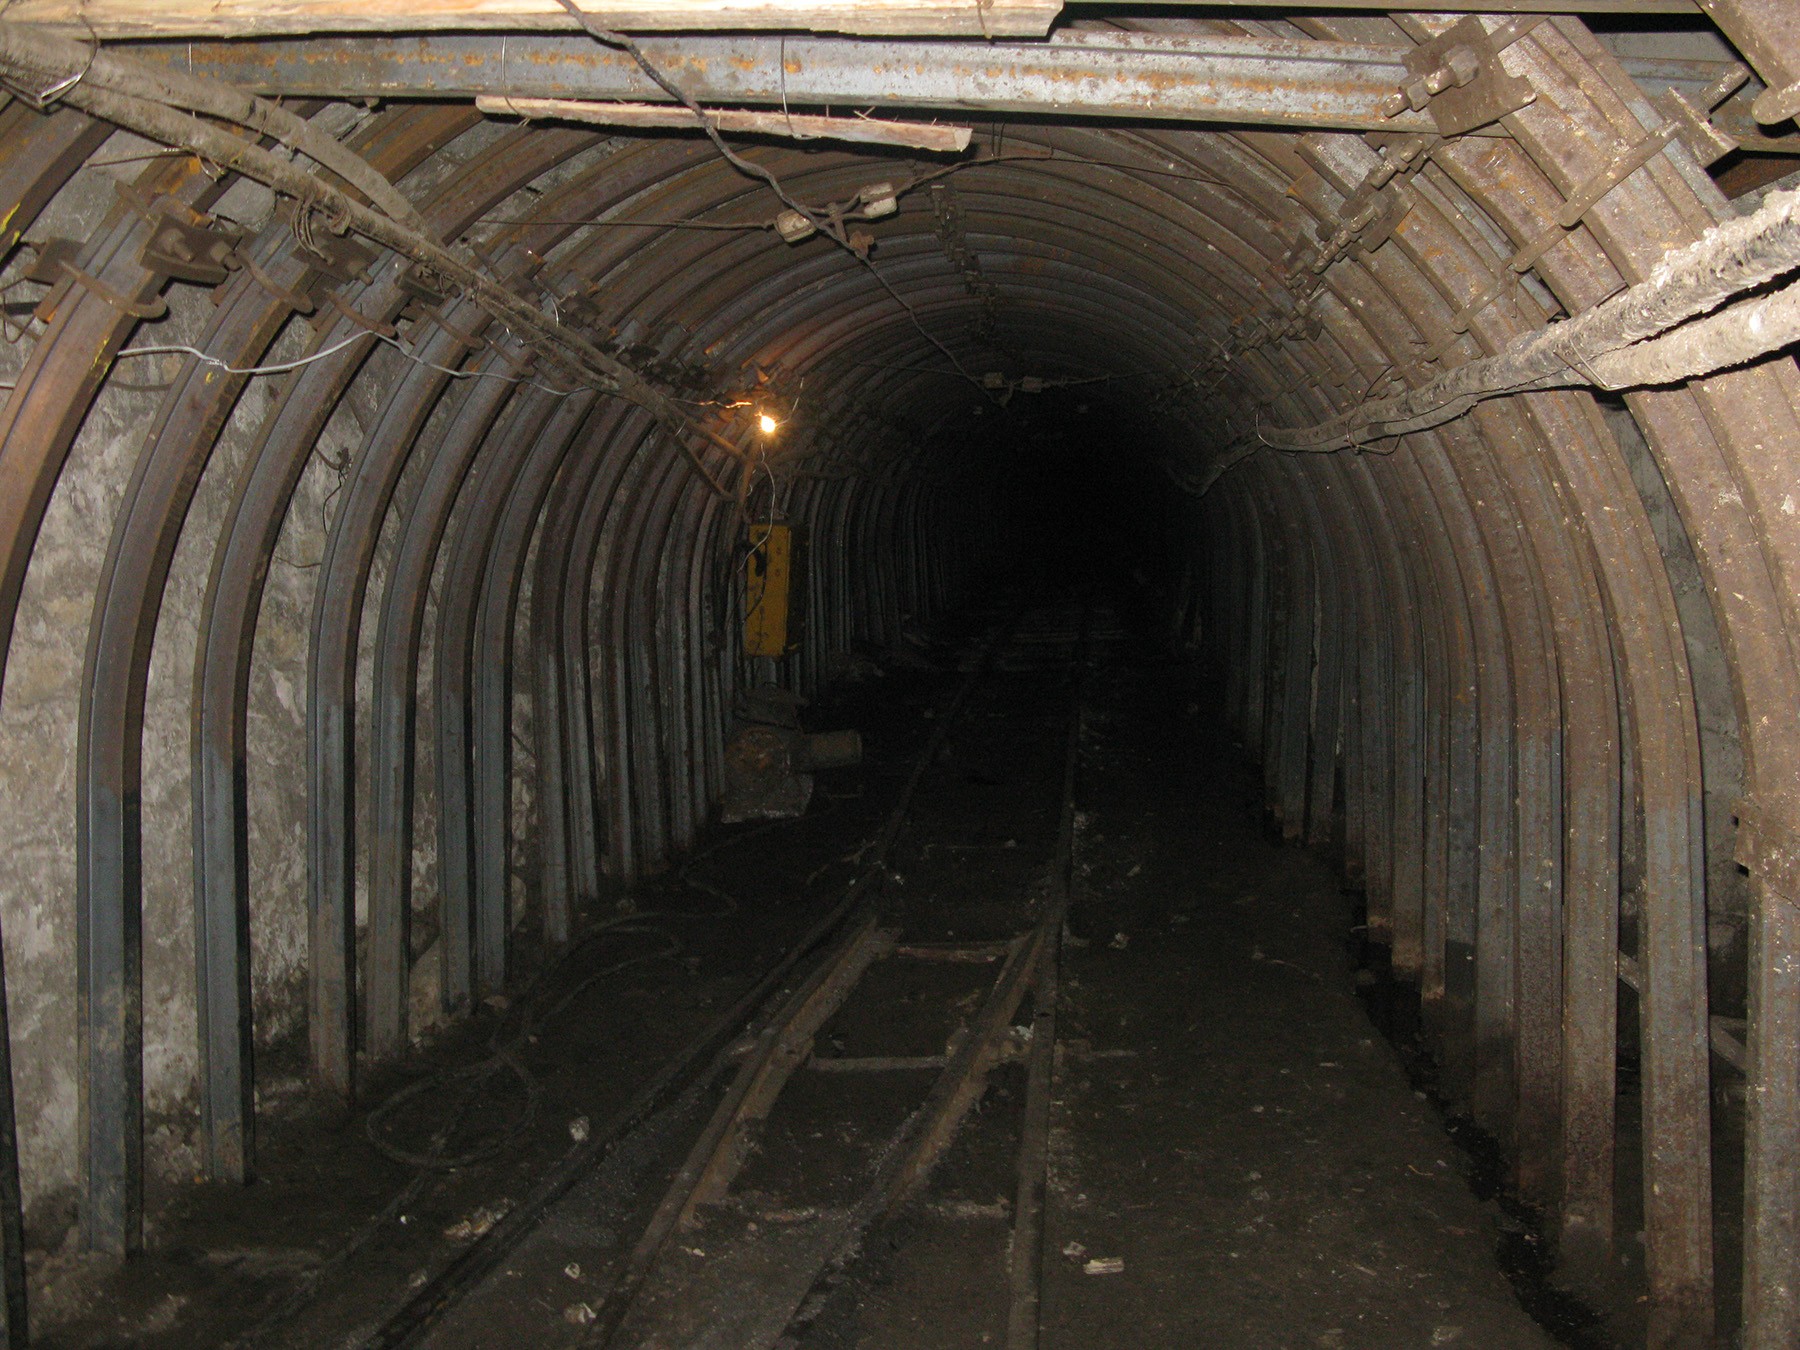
<point x="377" y="469"/>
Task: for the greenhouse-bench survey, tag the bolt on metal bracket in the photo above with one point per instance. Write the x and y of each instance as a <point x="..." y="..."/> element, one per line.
<point x="1458" y="80"/>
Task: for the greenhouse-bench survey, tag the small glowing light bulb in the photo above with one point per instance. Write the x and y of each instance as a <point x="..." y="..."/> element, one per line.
<point x="766" y="424"/>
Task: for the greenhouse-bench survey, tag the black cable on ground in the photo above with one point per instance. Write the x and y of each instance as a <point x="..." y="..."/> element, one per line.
<point x="504" y="1060"/>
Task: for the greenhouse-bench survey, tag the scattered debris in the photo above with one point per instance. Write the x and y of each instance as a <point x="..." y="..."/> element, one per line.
<point x="478" y="1223"/>
<point x="1104" y="1265"/>
<point x="573" y="1270"/>
<point x="1074" y="1250"/>
<point x="579" y="1129"/>
<point x="578" y="1314"/>
<point x="1120" y="941"/>
<point x="970" y="1209"/>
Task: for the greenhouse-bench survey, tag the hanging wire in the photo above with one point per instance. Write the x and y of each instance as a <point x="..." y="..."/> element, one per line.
<point x="630" y="47"/>
<point x="282" y="367"/>
<point x="826" y="223"/>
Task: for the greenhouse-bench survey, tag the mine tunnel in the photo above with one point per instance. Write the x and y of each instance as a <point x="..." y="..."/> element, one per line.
<point x="891" y="674"/>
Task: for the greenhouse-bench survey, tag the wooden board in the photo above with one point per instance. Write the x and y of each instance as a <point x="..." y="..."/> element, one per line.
<point x="799" y="126"/>
<point x="264" y="18"/>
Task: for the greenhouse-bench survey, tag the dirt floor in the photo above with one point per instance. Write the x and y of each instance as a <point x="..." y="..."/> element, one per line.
<point x="1230" y="1131"/>
<point x="1238" y="1157"/>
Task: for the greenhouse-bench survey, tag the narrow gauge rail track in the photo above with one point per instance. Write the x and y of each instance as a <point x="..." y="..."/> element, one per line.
<point x="769" y="1032"/>
<point x="764" y="1253"/>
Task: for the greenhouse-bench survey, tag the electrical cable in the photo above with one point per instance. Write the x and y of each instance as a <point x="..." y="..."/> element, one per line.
<point x="504" y="1059"/>
<point x="824" y="222"/>
<point x="630" y="224"/>
<point x="282" y="367"/>
<point x="629" y="46"/>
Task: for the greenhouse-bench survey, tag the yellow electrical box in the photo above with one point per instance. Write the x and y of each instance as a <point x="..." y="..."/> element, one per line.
<point x="768" y="576"/>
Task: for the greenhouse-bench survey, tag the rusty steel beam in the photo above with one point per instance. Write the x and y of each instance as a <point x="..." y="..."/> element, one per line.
<point x="1768" y="32"/>
<point x="331" y="705"/>
<point x="38" y="154"/>
<point x="1734" y="258"/>
<point x="1268" y="81"/>
<point x="425" y="514"/>
<point x="37" y="428"/>
<point x="1154" y="77"/>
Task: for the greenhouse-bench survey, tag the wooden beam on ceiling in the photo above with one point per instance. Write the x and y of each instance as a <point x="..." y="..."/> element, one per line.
<point x="267" y="18"/>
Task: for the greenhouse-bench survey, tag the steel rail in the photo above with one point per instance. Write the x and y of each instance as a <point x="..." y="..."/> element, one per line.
<point x="59" y="59"/>
<point x="1732" y="258"/>
<point x="128" y="599"/>
<point x="62" y="377"/>
<point x="568" y="867"/>
<point x="542" y="426"/>
<point x="1561" y="1095"/>
<point x="1026" y="1254"/>
<point x="1447" y="990"/>
<point x="491" y="713"/>
<point x="1667" y="909"/>
<point x="597" y="487"/>
<point x="37" y="156"/>
<point x="1208" y="77"/>
<point x="705" y="1174"/>
<point x="393" y="748"/>
<point x="1677" y="1175"/>
<point x="1415" y="310"/>
<point x="423" y="516"/>
<point x="234" y="593"/>
<point x="1543" y="1053"/>
<point x="127" y="18"/>
<point x="1527" y="649"/>
<point x="1553" y="593"/>
<point x="331" y="694"/>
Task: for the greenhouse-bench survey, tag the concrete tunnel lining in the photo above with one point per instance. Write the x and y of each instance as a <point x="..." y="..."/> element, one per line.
<point x="1466" y="659"/>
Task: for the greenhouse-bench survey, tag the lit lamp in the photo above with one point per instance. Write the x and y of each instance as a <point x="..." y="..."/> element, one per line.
<point x="766" y="424"/>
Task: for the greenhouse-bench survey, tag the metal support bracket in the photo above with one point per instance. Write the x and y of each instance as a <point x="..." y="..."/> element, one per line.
<point x="1704" y="141"/>
<point x="293" y="299"/>
<point x="426" y="287"/>
<point x="1687" y="125"/>
<point x="55" y="267"/>
<point x="469" y="340"/>
<point x="184" y="244"/>
<point x="340" y="257"/>
<point x="1371" y="212"/>
<point x="355" y="316"/>
<point x="1458" y="80"/>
